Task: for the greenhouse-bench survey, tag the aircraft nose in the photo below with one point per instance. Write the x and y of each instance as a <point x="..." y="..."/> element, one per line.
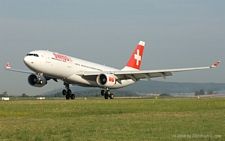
<point x="27" y="61"/>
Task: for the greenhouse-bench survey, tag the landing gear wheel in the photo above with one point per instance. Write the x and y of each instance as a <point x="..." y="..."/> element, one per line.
<point x="67" y="97"/>
<point x="107" y="92"/>
<point x="106" y="96"/>
<point x="72" y="96"/>
<point x="111" y="96"/>
<point x="64" y="92"/>
<point x="69" y="92"/>
<point x="102" y="92"/>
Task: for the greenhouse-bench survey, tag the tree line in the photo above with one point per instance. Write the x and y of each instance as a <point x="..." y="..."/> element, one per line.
<point x="5" y="94"/>
<point x="202" y="92"/>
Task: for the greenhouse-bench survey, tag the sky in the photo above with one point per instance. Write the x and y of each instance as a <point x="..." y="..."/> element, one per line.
<point x="178" y="34"/>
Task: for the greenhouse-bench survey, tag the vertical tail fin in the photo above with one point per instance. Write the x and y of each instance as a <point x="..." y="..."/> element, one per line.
<point x="136" y="58"/>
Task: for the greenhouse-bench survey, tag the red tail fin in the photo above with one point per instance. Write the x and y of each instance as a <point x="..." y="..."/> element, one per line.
<point x="136" y="57"/>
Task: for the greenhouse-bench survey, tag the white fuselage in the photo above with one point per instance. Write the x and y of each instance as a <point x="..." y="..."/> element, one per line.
<point x="66" y="68"/>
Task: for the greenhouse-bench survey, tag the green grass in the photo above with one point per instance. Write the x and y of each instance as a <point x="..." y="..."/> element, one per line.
<point x="118" y="119"/>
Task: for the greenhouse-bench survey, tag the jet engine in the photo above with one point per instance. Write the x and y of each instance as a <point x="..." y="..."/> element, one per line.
<point x="33" y="81"/>
<point x="106" y="80"/>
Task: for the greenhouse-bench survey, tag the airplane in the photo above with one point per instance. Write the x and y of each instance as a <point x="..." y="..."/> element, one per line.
<point x="46" y="65"/>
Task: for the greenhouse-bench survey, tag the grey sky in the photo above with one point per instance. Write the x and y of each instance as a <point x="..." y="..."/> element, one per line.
<point x="177" y="34"/>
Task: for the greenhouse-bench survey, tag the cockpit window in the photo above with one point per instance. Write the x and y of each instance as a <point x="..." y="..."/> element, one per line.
<point x="30" y="54"/>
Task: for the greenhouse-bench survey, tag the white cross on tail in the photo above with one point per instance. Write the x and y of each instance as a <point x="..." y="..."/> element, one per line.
<point x="137" y="57"/>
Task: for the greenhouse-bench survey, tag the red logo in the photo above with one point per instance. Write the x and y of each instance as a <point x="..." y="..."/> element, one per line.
<point x="62" y="57"/>
<point x="111" y="79"/>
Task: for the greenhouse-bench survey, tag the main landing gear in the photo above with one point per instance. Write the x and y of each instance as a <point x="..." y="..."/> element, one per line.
<point x="106" y="93"/>
<point x="68" y="92"/>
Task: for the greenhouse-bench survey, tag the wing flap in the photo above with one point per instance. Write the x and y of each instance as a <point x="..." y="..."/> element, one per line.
<point x="138" y="76"/>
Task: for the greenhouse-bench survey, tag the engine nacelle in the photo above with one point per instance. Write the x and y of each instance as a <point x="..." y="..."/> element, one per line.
<point x="106" y="80"/>
<point x="33" y="81"/>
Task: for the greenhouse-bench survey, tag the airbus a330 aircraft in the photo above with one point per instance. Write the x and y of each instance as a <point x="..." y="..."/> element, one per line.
<point x="48" y="65"/>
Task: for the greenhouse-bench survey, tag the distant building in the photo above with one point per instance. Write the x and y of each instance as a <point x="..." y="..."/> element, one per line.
<point x="40" y="98"/>
<point x="4" y="98"/>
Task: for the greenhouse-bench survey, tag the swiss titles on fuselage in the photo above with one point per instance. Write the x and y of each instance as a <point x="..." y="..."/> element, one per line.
<point x="61" y="57"/>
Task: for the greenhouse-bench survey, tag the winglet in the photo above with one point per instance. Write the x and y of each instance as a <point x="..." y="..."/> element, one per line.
<point x="215" y="65"/>
<point x="8" y="65"/>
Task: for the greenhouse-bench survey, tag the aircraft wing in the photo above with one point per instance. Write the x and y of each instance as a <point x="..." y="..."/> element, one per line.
<point x="8" y="67"/>
<point x="145" y="74"/>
